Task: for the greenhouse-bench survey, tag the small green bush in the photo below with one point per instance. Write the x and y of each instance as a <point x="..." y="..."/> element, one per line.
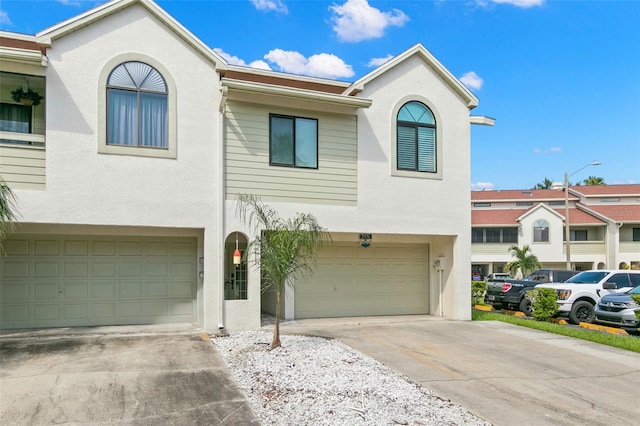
<point x="636" y="297"/>
<point x="543" y="302"/>
<point x="478" y="289"/>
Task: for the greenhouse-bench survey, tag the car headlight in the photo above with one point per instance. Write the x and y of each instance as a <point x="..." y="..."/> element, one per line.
<point x="563" y="294"/>
<point x="631" y="305"/>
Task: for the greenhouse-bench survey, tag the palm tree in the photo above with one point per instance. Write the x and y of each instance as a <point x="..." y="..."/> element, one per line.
<point x="284" y="248"/>
<point x="525" y="261"/>
<point x="545" y="184"/>
<point x="7" y="215"/>
<point x="594" y="181"/>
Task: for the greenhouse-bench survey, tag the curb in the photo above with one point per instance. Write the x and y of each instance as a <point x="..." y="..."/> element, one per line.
<point x="557" y="321"/>
<point x="483" y="308"/>
<point x="512" y="313"/>
<point x="604" y="328"/>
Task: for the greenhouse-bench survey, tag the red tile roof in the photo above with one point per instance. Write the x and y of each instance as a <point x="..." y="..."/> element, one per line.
<point x="519" y="195"/>
<point x="619" y="213"/>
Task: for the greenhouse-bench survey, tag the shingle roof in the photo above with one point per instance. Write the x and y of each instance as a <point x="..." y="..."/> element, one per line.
<point x="618" y="213"/>
<point x="597" y="190"/>
<point x="519" y="195"/>
<point x="508" y="217"/>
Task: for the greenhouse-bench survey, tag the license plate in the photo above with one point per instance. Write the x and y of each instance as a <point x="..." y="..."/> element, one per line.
<point x="488" y="297"/>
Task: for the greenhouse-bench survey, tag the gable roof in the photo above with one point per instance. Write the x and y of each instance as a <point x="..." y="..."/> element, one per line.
<point x="420" y="51"/>
<point x="102" y="11"/>
<point x="519" y="195"/>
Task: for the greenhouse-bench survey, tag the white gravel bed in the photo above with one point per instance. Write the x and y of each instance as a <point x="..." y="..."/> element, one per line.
<point x="316" y="381"/>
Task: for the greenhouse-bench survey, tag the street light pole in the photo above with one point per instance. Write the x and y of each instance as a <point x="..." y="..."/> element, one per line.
<point x="567" y="231"/>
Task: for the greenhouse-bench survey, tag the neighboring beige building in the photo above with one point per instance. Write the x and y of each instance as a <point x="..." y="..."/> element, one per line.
<point x="604" y="225"/>
<point x="127" y="174"/>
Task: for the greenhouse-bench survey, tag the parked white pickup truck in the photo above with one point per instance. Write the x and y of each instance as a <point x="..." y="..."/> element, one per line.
<point x="578" y="296"/>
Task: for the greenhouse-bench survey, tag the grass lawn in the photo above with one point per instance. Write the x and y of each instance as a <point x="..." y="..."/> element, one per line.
<point x="629" y="343"/>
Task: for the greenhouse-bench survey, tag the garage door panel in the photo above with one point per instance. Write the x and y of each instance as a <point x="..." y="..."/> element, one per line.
<point x="75" y="311"/>
<point x="103" y="290"/>
<point x="46" y="290"/>
<point x="76" y="248"/>
<point x="52" y="281"/>
<point x="75" y="268"/>
<point x="103" y="248"/>
<point x="130" y="289"/>
<point x="46" y="269"/>
<point x="390" y="279"/>
<point x="48" y="247"/>
<point x="75" y="290"/>
<point x="157" y="289"/>
<point x="104" y="269"/>
<point x="46" y="312"/>
<point x="15" y="269"/>
<point x="15" y="291"/>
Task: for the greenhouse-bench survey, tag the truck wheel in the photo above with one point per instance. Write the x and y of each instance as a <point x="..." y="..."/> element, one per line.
<point x="525" y="307"/>
<point x="582" y="311"/>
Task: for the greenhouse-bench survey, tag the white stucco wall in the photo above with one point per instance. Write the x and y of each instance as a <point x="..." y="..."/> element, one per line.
<point x="84" y="187"/>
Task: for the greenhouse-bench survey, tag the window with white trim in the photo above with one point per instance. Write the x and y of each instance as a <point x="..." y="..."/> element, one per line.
<point x="541" y="231"/>
<point x="137" y="107"/>
<point x="416" y="148"/>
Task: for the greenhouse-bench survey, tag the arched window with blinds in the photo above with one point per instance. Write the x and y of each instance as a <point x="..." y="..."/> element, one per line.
<point x="137" y="106"/>
<point x="416" y="138"/>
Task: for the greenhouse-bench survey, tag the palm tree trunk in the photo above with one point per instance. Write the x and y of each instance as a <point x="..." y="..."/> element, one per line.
<point x="276" y="329"/>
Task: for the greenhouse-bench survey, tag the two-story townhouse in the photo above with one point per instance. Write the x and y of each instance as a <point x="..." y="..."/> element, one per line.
<point x="604" y="227"/>
<point x="127" y="174"/>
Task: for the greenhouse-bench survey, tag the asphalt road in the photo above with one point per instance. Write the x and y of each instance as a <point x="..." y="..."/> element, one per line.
<point x="505" y="374"/>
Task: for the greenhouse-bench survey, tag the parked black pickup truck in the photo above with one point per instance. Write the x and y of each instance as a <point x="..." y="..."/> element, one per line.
<point x="509" y="294"/>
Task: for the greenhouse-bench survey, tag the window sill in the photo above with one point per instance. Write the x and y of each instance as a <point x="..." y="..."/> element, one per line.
<point x="137" y="151"/>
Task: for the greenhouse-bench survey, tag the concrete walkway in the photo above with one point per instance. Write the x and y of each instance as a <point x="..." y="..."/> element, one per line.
<point x="126" y="375"/>
<point x="505" y="374"/>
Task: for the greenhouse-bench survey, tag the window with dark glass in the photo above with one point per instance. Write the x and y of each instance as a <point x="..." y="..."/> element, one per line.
<point x="416" y="139"/>
<point x="494" y="235"/>
<point x="541" y="231"/>
<point x="636" y="234"/>
<point x="15" y="118"/>
<point x="137" y="106"/>
<point x="578" y="235"/>
<point x="293" y="141"/>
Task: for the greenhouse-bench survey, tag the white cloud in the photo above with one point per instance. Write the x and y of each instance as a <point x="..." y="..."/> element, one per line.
<point x="472" y="80"/>
<point x="547" y="150"/>
<point x="321" y="65"/>
<point x="356" y="20"/>
<point x="481" y="186"/>
<point x="4" y="18"/>
<point x="234" y="60"/>
<point x="270" y="6"/>
<point x="70" y="2"/>
<point x="525" y="4"/>
<point x="376" y="62"/>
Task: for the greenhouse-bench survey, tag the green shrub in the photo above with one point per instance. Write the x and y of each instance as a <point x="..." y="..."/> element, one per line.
<point x="636" y="297"/>
<point x="543" y="302"/>
<point x="478" y="289"/>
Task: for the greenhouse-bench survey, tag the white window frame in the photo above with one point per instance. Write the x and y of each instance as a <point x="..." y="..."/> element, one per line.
<point x="103" y="146"/>
<point x="394" y="140"/>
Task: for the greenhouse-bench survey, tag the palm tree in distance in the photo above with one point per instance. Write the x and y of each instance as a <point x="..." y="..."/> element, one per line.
<point x="7" y="215"/>
<point x="525" y="261"/>
<point x="545" y="184"/>
<point x="594" y="181"/>
<point x="284" y="249"/>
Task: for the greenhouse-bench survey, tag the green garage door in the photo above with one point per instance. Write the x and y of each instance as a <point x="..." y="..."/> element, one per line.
<point x="55" y="281"/>
<point x="384" y="279"/>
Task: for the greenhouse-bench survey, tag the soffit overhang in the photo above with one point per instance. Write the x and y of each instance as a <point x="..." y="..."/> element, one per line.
<point x="265" y="94"/>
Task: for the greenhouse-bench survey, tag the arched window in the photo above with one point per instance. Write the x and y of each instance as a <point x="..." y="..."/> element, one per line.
<point x="416" y="138"/>
<point x="137" y="106"/>
<point x="541" y="231"/>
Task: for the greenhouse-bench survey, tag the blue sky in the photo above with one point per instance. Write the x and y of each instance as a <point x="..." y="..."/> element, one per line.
<point x="562" y="78"/>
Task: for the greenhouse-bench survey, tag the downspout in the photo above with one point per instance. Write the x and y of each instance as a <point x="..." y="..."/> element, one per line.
<point x="221" y="211"/>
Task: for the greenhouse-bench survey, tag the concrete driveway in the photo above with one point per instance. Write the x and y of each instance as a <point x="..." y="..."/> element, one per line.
<point x="143" y="379"/>
<point x="505" y="374"/>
